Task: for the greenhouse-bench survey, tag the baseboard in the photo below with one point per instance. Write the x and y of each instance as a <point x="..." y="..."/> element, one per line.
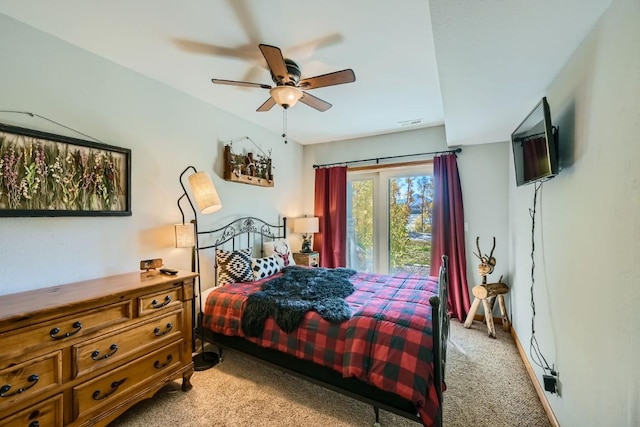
<point x="539" y="391"/>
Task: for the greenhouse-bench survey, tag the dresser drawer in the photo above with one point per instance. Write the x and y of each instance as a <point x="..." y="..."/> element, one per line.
<point x="108" y="388"/>
<point x="166" y="300"/>
<point x="65" y="328"/>
<point x="110" y="349"/>
<point x="30" y="378"/>
<point x="42" y="414"/>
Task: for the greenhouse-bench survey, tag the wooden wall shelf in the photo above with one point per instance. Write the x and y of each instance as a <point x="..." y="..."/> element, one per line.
<point x="252" y="180"/>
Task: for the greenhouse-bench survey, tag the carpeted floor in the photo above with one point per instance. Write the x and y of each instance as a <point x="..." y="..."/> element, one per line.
<point x="487" y="385"/>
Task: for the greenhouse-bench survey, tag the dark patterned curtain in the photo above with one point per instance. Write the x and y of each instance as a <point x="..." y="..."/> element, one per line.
<point x="331" y="210"/>
<point x="448" y="232"/>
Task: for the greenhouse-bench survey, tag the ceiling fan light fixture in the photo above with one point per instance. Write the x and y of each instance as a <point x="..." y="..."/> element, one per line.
<point x="286" y="96"/>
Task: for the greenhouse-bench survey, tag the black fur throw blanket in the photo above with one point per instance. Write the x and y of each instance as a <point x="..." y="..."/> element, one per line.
<point x="287" y="298"/>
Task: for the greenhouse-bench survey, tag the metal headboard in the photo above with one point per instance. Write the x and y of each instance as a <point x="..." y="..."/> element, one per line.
<point x="241" y="233"/>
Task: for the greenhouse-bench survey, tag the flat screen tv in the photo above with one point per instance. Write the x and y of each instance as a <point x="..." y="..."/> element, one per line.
<point x="535" y="146"/>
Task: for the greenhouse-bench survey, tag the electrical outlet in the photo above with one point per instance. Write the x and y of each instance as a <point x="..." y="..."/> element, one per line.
<point x="550" y="383"/>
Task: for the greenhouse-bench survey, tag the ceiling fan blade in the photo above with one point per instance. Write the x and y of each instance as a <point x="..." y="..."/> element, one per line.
<point x="267" y="105"/>
<point x="246" y="52"/>
<point x="331" y="79"/>
<point x="275" y="61"/>
<point x="236" y="83"/>
<point x="306" y="49"/>
<point x="314" y="102"/>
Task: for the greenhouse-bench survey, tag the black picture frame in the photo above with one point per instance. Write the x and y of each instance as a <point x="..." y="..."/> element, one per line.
<point x="47" y="175"/>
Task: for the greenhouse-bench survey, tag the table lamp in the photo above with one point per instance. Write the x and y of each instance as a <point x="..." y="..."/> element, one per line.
<point x="306" y="226"/>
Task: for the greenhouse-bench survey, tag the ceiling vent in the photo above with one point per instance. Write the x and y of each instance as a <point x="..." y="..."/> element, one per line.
<point x="413" y="122"/>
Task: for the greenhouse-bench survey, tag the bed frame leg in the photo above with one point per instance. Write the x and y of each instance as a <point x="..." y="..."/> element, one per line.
<point x="377" y="412"/>
<point x="219" y="354"/>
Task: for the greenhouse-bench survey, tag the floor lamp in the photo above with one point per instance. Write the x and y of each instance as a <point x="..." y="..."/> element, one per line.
<point x="206" y="197"/>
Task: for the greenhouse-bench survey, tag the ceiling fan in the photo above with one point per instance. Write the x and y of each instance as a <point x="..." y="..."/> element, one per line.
<point x="289" y="88"/>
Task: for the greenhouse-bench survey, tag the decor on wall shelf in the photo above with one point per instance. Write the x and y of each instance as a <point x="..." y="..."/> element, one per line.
<point x="248" y="169"/>
<point x="43" y="174"/>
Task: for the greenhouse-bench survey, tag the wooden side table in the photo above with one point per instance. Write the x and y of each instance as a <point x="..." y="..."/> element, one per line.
<point x="312" y="259"/>
<point x="487" y="294"/>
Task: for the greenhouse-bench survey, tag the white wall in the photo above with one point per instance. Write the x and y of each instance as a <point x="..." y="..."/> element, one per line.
<point x="166" y="131"/>
<point x="587" y="280"/>
<point x="483" y="175"/>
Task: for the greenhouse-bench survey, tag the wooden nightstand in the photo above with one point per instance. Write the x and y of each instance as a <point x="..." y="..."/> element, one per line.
<point x="312" y="259"/>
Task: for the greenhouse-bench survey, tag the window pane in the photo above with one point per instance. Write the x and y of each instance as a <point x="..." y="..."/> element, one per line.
<point x="410" y="204"/>
<point x="360" y="225"/>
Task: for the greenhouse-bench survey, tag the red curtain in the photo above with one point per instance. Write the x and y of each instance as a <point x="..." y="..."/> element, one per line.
<point x="331" y="210"/>
<point x="448" y="232"/>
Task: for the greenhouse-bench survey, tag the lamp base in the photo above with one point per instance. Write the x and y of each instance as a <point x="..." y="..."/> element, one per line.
<point x="306" y="244"/>
<point x="204" y="361"/>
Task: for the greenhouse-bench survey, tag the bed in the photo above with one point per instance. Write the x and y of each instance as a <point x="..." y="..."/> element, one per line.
<point x="377" y="338"/>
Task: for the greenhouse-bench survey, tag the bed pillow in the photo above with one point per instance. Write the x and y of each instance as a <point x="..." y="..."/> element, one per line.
<point x="267" y="266"/>
<point x="279" y="247"/>
<point x="234" y="266"/>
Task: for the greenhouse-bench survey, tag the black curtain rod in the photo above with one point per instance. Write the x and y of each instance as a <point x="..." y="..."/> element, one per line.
<point x="528" y="137"/>
<point x="377" y="159"/>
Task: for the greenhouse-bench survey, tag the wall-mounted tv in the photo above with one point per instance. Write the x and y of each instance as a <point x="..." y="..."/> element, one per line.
<point x="535" y="146"/>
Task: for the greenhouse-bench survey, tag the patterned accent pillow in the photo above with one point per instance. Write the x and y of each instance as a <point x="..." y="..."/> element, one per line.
<point x="279" y="247"/>
<point x="265" y="267"/>
<point x="234" y="266"/>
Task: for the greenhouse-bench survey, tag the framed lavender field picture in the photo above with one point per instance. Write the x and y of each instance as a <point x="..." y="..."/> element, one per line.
<point x="43" y="174"/>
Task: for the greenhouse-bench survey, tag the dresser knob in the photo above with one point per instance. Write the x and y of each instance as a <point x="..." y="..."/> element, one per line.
<point x="114" y="387"/>
<point x="155" y="303"/>
<point x="4" y="390"/>
<point x="159" y="365"/>
<point x="55" y="331"/>
<point x="159" y="333"/>
<point x="96" y="354"/>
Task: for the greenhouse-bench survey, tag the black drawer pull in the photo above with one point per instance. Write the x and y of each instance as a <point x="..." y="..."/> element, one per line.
<point x="33" y="379"/>
<point x="34" y="424"/>
<point x="114" y="388"/>
<point x="155" y="303"/>
<point x="96" y="354"/>
<point x="159" y="365"/>
<point x="55" y="331"/>
<point x="159" y="333"/>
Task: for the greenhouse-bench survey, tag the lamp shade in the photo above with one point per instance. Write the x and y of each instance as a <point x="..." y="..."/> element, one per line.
<point x="185" y="235"/>
<point x="286" y="96"/>
<point x="305" y="225"/>
<point x="204" y="192"/>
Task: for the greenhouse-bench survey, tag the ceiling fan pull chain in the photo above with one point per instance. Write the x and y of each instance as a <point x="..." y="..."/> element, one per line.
<point x="284" y="125"/>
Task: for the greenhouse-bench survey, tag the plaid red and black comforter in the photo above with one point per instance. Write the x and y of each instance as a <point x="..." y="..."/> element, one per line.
<point x="386" y="343"/>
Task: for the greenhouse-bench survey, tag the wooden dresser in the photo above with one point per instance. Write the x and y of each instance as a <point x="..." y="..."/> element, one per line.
<point x="81" y="354"/>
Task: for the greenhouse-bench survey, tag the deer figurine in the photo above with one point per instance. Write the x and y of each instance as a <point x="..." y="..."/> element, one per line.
<point x="487" y="293"/>
<point x="487" y="262"/>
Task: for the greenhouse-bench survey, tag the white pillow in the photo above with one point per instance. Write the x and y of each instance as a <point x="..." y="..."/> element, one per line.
<point x="267" y="266"/>
<point x="281" y="248"/>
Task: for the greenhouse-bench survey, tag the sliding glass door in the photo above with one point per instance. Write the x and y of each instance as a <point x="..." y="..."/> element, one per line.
<point x="389" y="220"/>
